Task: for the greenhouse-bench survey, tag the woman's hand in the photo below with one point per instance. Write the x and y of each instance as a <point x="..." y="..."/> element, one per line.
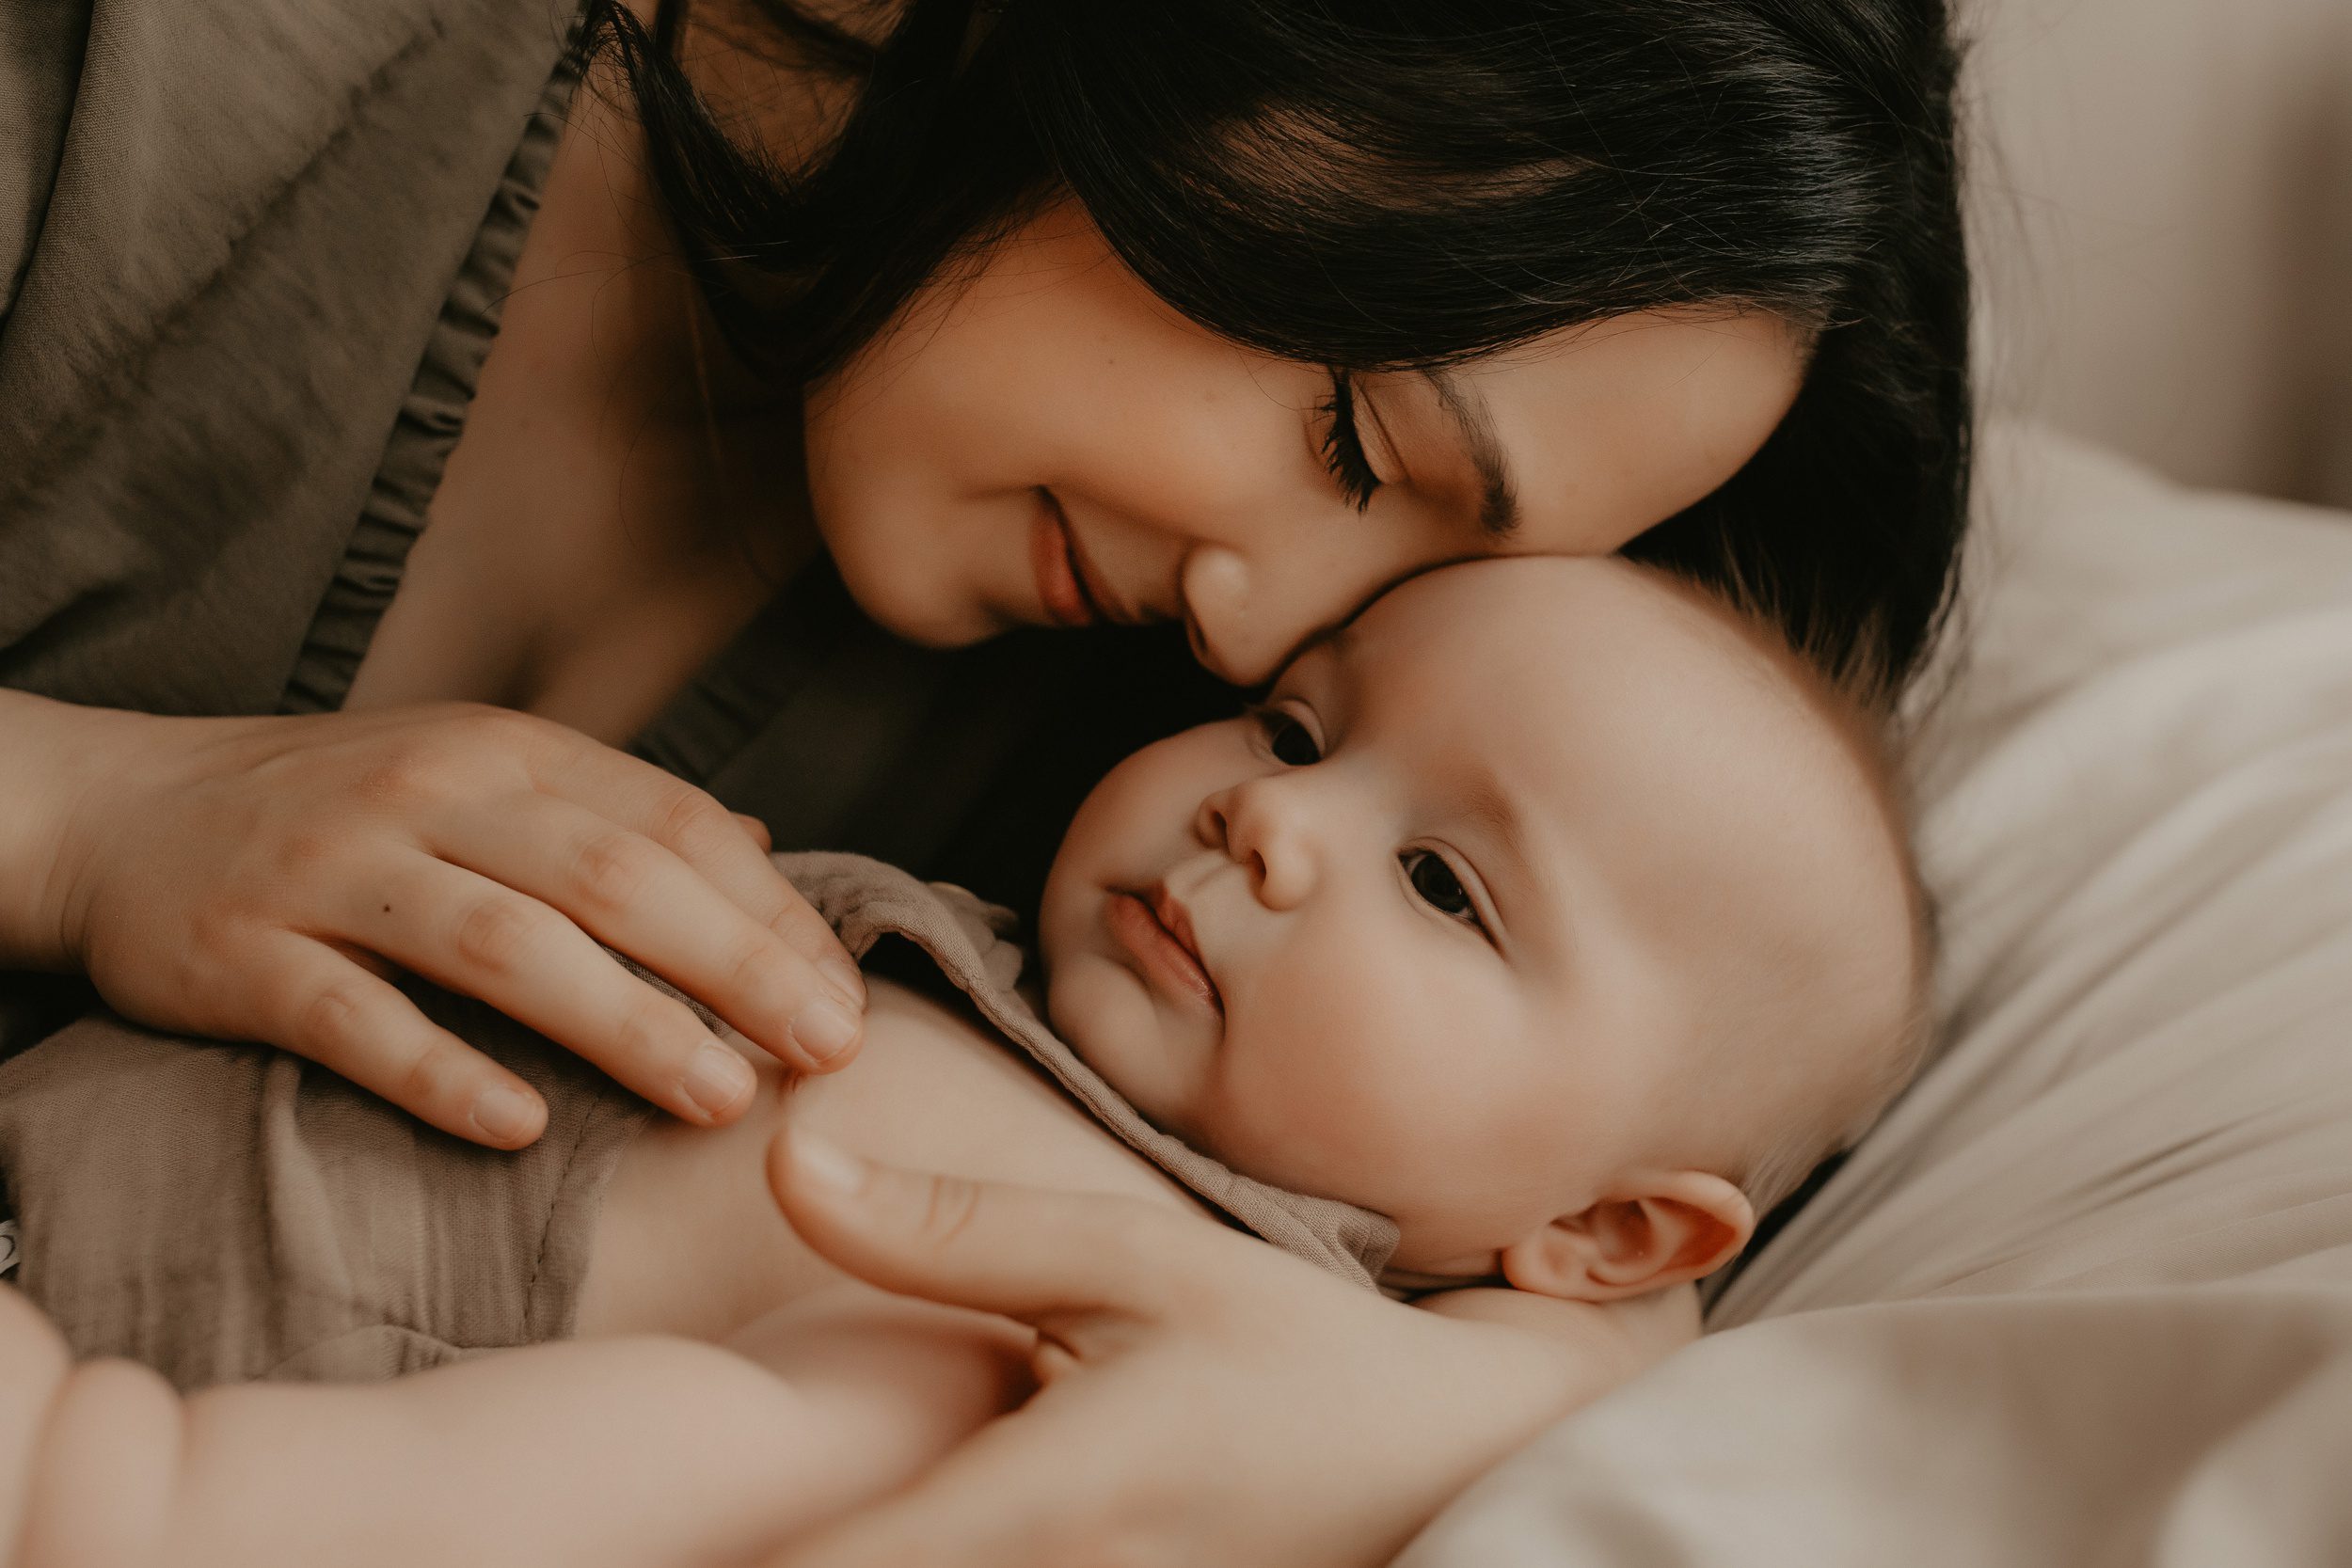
<point x="257" y="878"/>
<point x="1205" y="1398"/>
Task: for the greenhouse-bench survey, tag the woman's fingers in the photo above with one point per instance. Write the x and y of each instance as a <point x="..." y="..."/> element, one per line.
<point x="641" y="898"/>
<point x="216" y="846"/>
<point x="705" y="836"/>
<point x="326" y="1007"/>
<point x="474" y="935"/>
<point x="1028" y="1253"/>
<point x="1261" y="1442"/>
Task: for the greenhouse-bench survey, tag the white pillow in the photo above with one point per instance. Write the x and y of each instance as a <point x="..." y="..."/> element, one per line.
<point x="2086" y="1294"/>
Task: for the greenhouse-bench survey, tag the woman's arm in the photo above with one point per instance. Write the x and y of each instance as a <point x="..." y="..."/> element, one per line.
<point x="50" y="753"/>
<point x="638" y="1452"/>
<point x="1204" y="1399"/>
<point x="255" y="879"/>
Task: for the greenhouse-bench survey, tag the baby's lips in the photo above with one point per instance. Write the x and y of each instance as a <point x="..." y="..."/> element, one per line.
<point x="1155" y="928"/>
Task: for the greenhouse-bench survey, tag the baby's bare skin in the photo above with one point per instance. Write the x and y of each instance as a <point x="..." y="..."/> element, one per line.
<point x="689" y="1240"/>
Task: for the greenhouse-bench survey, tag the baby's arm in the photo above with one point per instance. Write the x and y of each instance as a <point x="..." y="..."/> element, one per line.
<point x="630" y="1452"/>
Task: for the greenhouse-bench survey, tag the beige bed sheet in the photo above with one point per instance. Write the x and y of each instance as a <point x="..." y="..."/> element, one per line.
<point x="2086" y="1295"/>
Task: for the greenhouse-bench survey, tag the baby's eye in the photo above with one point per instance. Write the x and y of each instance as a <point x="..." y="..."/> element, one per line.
<point x="1292" y="742"/>
<point x="1437" y="886"/>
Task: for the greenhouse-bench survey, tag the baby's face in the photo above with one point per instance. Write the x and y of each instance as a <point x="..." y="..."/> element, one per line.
<point x="1440" y="928"/>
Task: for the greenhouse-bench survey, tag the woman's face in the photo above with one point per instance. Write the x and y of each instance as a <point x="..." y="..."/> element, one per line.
<point x="1047" y="443"/>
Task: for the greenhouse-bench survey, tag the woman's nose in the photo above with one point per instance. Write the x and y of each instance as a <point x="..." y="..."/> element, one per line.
<point x="1260" y="825"/>
<point x="1245" y="624"/>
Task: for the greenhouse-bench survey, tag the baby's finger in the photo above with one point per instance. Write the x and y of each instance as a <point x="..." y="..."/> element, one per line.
<point x="462" y="930"/>
<point x="705" y="836"/>
<point x="757" y="830"/>
<point x="325" y="1007"/>
<point x="637" y="897"/>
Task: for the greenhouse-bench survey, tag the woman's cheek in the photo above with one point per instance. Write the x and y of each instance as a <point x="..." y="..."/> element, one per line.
<point x="903" y="557"/>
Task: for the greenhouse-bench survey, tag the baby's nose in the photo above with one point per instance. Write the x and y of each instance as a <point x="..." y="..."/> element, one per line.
<point x="1260" y="828"/>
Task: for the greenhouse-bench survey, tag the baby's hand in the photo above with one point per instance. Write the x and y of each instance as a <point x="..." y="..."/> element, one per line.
<point x="256" y="878"/>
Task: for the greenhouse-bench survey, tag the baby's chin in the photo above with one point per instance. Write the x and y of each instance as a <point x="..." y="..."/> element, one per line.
<point x="1095" y="1006"/>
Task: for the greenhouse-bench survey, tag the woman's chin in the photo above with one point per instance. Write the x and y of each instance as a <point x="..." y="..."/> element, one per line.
<point x="929" y="614"/>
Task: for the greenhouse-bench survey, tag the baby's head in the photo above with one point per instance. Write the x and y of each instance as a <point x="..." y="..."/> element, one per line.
<point x="1551" y="910"/>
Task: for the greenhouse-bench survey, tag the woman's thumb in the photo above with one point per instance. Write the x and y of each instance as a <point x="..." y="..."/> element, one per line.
<point x="1024" y="1252"/>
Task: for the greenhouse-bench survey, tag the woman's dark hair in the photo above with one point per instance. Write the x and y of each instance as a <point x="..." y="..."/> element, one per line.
<point x="1377" y="184"/>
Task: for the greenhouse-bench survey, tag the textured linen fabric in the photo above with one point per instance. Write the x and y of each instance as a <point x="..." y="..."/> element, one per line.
<point x="228" y="1212"/>
<point x="2085" y="1295"/>
<point x="251" y="217"/>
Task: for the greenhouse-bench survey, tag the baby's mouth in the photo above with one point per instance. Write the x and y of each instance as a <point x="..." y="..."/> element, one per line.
<point x="1156" y="932"/>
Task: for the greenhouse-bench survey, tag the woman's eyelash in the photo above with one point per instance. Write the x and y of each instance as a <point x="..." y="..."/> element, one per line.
<point x="1344" y="445"/>
<point x="1293" y="743"/>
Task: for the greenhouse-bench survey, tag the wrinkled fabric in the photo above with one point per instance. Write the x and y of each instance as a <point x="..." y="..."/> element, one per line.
<point x="227" y="1212"/>
<point x="254" y="218"/>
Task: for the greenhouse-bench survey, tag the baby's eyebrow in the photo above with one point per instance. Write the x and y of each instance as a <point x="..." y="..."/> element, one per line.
<point x="1490" y="809"/>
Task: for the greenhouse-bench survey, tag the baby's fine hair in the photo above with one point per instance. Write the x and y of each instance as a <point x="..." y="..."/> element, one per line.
<point x="1856" y="697"/>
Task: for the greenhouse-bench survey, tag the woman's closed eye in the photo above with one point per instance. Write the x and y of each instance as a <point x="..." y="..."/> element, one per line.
<point x="1287" y="736"/>
<point x="1344" y="444"/>
<point x="1436" y="884"/>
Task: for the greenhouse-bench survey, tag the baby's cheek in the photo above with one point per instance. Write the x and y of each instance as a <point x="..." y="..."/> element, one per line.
<point x="1324" y="1085"/>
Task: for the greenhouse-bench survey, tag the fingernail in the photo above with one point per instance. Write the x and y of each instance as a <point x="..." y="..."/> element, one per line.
<point x="505" y="1115"/>
<point x="825" y="1164"/>
<point x="846" y="977"/>
<point x="823" y="1030"/>
<point x="716" y="1079"/>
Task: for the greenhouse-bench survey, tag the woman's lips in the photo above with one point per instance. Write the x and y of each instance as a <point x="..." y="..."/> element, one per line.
<point x="1072" y="591"/>
<point x="1157" y="935"/>
<point x="1058" y="586"/>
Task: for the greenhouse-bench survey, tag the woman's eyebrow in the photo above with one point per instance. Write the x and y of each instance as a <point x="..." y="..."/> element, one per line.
<point x="1499" y="506"/>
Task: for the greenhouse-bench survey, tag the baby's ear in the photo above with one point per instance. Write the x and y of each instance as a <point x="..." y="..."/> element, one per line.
<point x="1662" y="1229"/>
